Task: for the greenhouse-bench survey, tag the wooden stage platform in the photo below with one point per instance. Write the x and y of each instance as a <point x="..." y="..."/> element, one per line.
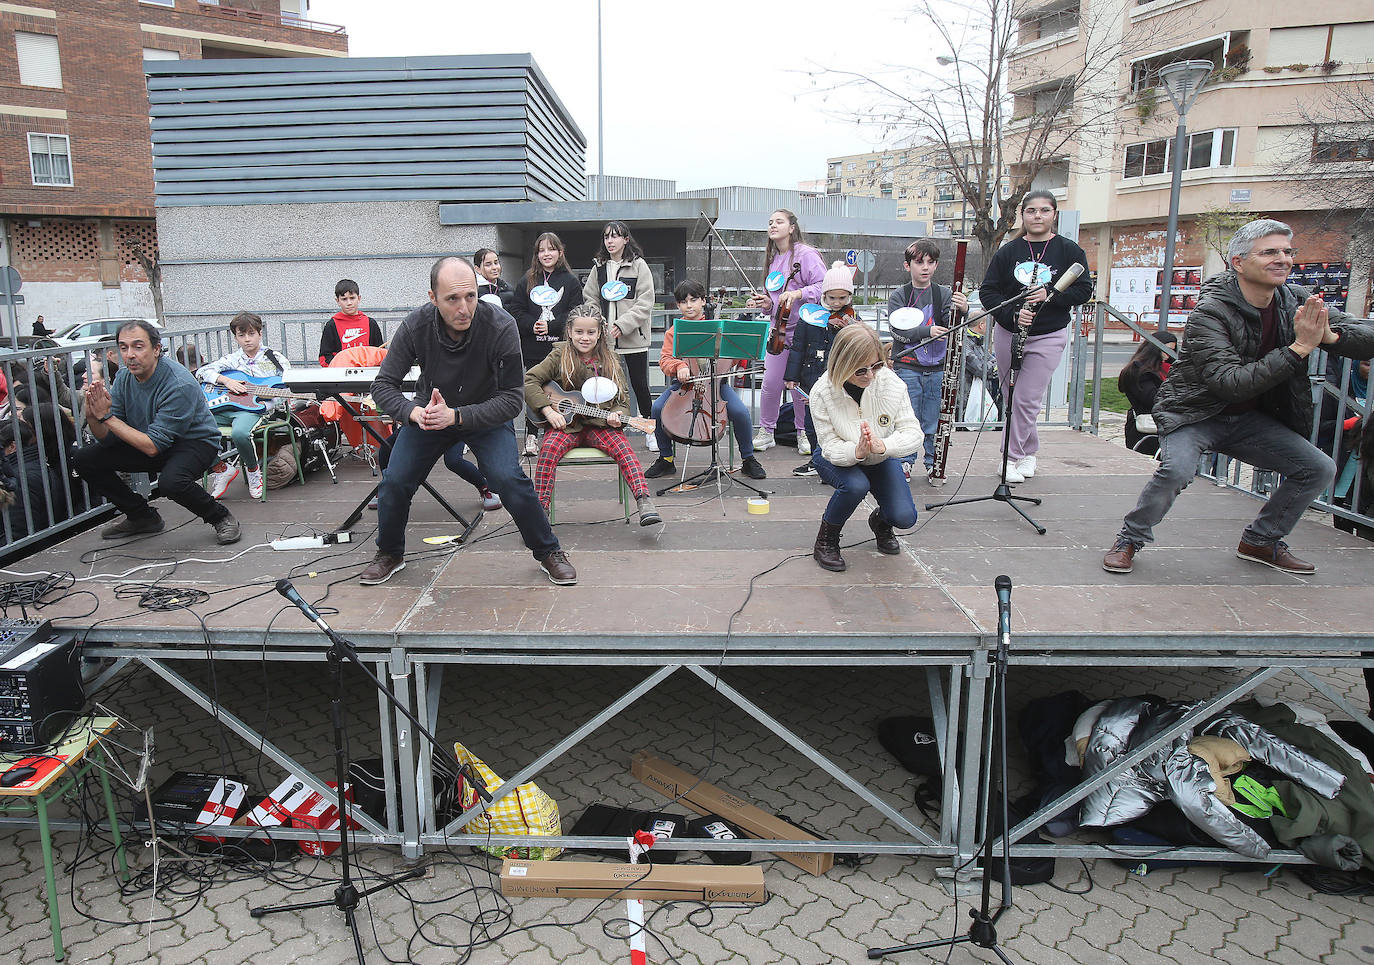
<point x="683" y="581"/>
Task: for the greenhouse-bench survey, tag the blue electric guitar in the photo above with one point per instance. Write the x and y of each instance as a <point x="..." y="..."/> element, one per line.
<point x="259" y="387"/>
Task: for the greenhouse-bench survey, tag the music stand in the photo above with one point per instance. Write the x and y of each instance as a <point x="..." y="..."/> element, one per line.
<point x="732" y="346"/>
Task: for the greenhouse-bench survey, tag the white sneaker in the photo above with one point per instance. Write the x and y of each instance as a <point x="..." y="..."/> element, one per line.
<point x="803" y="444"/>
<point x="1026" y="466"/>
<point x="763" y="439"/>
<point x="1014" y="474"/>
<point x="255" y="483"/>
<point x="650" y="442"/>
<point x="491" y="502"/>
<point x="219" y="481"/>
<point x="531" y="444"/>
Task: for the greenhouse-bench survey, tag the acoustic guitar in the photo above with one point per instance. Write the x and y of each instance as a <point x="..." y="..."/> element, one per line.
<point x="570" y="404"/>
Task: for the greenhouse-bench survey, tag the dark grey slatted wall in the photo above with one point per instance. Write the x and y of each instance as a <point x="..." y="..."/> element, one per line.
<point x="484" y="128"/>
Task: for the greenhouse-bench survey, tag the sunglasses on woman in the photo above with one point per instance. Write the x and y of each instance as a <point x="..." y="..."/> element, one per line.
<point x="863" y="372"/>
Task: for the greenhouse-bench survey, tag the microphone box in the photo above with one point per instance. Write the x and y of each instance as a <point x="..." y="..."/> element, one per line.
<point x="295" y="802"/>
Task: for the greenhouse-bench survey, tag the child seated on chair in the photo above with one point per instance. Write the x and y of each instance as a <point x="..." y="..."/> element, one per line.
<point x="257" y="361"/>
<point x="587" y="353"/>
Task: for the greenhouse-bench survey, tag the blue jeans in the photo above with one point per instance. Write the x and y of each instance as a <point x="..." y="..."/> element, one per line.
<point x="241" y="432"/>
<point x="466" y="471"/>
<point x="924" y="390"/>
<point x="1251" y="437"/>
<point x="852" y="483"/>
<point x="735" y="410"/>
<point x="414" y="452"/>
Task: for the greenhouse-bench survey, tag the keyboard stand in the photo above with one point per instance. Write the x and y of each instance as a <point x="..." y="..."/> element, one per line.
<point x="384" y="445"/>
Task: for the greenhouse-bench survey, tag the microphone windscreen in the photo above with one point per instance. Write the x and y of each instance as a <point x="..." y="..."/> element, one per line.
<point x="1069" y="277"/>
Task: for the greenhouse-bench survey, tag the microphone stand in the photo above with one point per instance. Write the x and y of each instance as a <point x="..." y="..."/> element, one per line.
<point x="1003" y="493"/>
<point x="982" y="931"/>
<point x="346" y="895"/>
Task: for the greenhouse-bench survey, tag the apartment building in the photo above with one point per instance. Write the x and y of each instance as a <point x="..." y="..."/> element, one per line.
<point x="76" y="172"/>
<point x="1250" y="153"/>
<point x="920" y="179"/>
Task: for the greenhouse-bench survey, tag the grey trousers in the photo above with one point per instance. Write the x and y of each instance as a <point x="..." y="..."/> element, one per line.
<point x="1252" y="437"/>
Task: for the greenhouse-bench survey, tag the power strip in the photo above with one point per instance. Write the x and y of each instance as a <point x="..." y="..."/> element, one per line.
<point x="312" y="542"/>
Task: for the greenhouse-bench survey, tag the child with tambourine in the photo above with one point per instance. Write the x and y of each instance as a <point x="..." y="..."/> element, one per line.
<point x="586" y="355"/>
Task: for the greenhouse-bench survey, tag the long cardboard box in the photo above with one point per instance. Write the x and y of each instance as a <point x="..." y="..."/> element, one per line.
<point x="601" y="879"/>
<point x="706" y="798"/>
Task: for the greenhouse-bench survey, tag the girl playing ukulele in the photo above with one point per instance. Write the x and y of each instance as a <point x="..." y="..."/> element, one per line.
<point x="586" y="353"/>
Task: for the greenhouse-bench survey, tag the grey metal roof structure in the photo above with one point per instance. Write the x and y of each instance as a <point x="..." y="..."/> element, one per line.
<point x="280" y="130"/>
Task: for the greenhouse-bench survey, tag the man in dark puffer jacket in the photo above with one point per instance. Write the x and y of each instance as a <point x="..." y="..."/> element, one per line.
<point x="1240" y="388"/>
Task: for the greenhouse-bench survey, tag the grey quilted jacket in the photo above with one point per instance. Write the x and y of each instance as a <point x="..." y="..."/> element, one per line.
<point x="1173" y="773"/>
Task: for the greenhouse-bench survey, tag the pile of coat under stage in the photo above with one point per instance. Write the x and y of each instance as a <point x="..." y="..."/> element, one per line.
<point x="1257" y="776"/>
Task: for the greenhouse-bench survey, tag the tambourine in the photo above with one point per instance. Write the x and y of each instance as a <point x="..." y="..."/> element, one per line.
<point x="905" y="321"/>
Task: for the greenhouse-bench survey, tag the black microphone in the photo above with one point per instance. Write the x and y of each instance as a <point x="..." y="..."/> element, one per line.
<point x="285" y="588"/>
<point x="1003" y="586"/>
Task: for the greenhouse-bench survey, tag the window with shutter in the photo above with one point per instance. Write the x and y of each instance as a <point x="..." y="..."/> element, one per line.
<point x="39" y="65"/>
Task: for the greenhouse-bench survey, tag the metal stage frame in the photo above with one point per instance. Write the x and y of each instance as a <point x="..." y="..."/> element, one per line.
<point x="957" y="676"/>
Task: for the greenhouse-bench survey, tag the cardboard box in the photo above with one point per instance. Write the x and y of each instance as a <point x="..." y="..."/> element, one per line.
<point x="221" y="807"/>
<point x="675" y="783"/>
<point x="295" y="802"/>
<point x="600" y="879"/>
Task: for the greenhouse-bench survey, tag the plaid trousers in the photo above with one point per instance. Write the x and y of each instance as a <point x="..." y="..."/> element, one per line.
<point x="557" y="443"/>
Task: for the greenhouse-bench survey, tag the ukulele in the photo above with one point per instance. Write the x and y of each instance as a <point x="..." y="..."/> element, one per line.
<point x="570" y="404"/>
<point x="259" y="387"/>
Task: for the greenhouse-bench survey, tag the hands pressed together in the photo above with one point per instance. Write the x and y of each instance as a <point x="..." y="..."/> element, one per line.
<point x="435" y="415"/>
<point x="868" y="444"/>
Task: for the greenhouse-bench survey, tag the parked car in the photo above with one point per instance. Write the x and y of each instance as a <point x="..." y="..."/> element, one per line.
<point x="96" y="330"/>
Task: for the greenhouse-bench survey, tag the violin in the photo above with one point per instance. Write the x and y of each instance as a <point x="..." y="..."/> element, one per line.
<point x="777" y="338"/>
<point x="687" y="415"/>
<point x="842" y="317"/>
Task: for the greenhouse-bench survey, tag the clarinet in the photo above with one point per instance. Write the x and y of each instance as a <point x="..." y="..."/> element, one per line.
<point x="953" y="376"/>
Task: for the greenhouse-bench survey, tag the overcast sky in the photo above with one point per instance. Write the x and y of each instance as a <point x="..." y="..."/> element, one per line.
<point x="708" y="93"/>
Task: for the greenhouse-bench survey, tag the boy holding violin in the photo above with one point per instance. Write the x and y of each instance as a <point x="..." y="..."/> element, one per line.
<point x="691" y="305"/>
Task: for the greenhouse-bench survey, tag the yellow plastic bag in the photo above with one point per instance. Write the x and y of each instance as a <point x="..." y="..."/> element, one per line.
<point x="526" y="811"/>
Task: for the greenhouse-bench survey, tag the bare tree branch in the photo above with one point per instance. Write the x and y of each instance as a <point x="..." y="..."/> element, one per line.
<point x="1017" y="116"/>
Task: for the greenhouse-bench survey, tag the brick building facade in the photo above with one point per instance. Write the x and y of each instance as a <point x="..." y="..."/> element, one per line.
<point x="76" y="174"/>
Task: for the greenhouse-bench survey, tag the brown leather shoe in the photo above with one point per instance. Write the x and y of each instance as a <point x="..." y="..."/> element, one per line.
<point x="1121" y="558"/>
<point x="1275" y="555"/>
<point x="887" y="540"/>
<point x="382" y="568"/>
<point x="559" y="569"/>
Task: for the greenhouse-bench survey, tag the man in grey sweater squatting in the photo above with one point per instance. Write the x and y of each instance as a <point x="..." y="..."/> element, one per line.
<point x="471" y="386"/>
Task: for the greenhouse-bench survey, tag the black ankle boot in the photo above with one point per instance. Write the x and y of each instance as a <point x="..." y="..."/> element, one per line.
<point x="887" y="540"/>
<point x="827" y="549"/>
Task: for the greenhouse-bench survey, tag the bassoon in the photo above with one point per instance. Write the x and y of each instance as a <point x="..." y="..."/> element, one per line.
<point x="950" y="384"/>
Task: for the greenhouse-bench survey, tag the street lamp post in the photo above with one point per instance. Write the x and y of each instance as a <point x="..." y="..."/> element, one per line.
<point x="1182" y="81"/>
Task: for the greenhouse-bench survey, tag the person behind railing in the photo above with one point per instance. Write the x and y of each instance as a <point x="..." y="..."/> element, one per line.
<point x="1340" y="432"/>
<point x="31" y="479"/>
<point x="1139" y="380"/>
<point x="1240" y="389"/>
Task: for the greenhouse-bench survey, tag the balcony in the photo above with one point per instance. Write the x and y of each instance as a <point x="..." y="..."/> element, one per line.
<point x="218" y="11"/>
